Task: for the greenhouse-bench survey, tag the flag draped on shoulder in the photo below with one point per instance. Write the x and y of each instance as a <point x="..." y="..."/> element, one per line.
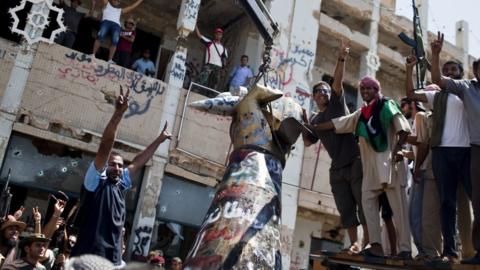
<point x="375" y="121"/>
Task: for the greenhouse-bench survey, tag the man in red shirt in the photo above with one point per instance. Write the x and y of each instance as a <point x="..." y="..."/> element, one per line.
<point x="124" y="47"/>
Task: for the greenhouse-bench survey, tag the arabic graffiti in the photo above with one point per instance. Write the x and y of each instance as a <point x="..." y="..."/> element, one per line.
<point x="191" y="9"/>
<point x="286" y="66"/>
<point x="142" y="239"/>
<point x="178" y="70"/>
<point x="80" y="66"/>
<point x="192" y="72"/>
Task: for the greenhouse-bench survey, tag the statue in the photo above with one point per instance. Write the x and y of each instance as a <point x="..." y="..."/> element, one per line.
<point x="242" y="227"/>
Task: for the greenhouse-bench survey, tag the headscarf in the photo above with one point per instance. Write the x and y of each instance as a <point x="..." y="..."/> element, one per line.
<point x="370" y="82"/>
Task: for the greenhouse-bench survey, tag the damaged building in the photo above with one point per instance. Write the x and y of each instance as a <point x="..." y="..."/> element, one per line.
<point x="55" y="103"/>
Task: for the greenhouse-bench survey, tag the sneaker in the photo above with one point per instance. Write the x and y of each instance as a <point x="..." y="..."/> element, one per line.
<point x="474" y="260"/>
<point x="111" y="62"/>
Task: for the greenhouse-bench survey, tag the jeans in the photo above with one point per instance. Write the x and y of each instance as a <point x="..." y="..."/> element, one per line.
<point x="451" y="165"/>
<point x="108" y="27"/>
<point x="415" y="213"/>
<point x="475" y="171"/>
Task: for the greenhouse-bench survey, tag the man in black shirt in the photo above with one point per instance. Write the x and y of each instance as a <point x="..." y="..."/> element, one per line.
<point x="346" y="166"/>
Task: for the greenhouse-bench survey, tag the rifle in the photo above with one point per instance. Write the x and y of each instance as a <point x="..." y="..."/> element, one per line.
<point x="417" y="44"/>
<point x="5" y="198"/>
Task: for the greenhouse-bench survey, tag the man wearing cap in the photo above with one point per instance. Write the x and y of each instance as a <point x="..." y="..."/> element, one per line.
<point x="33" y="249"/>
<point x="9" y="232"/>
<point x="110" y="24"/>
<point x="413" y="110"/>
<point x="124" y="47"/>
<point x="469" y="92"/>
<point x="72" y="19"/>
<point x="382" y="131"/>
<point x="103" y="209"/>
<point x="346" y="166"/>
<point x="215" y="58"/>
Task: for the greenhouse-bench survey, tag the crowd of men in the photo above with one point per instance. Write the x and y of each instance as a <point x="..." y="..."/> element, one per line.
<point x="121" y="39"/>
<point x="100" y="238"/>
<point x="442" y="146"/>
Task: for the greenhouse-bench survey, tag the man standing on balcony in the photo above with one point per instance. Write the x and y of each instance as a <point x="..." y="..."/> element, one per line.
<point x="346" y="166"/>
<point x="110" y="24"/>
<point x="240" y="76"/>
<point x="144" y="65"/>
<point x="469" y="92"/>
<point x="102" y="212"/>
<point x="215" y="58"/>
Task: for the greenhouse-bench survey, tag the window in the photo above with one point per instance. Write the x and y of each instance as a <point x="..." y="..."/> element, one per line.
<point x="40" y="167"/>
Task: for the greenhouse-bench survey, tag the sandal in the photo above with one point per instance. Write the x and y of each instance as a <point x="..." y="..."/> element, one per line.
<point x="354" y="249"/>
<point x="369" y="253"/>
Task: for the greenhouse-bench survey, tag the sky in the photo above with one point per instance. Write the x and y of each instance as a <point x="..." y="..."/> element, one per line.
<point x="443" y="14"/>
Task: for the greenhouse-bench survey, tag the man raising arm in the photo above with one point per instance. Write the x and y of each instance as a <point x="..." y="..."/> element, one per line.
<point x="103" y="211"/>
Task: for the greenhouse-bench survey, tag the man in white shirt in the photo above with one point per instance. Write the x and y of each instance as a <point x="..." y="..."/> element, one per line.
<point x="110" y="24"/>
<point x="215" y="58"/>
<point x="450" y="144"/>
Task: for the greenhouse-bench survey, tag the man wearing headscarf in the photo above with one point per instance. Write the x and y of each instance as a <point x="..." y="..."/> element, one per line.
<point x="382" y="131"/>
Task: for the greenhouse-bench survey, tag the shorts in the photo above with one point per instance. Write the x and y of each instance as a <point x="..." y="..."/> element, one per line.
<point x="109" y="28"/>
<point x="346" y="184"/>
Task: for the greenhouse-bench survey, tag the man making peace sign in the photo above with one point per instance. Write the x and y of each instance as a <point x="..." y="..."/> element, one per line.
<point x="103" y="193"/>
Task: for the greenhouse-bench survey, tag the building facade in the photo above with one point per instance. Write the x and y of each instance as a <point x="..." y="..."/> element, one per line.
<point x="56" y="101"/>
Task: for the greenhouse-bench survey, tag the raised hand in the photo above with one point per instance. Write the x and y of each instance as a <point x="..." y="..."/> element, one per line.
<point x="410" y="61"/>
<point x="58" y="208"/>
<point x="122" y="100"/>
<point x="18" y="214"/>
<point x="36" y="214"/>
<point x="165" y="134"/>
<point x="437" y="44"/>
<point x="344" y="49"/>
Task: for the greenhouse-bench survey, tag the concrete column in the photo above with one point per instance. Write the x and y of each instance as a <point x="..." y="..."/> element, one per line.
<point x="145" y="213"/>
<point x="12" y="97"/>
<point x="13" y="94"/>
<point x="369" y="60"/>
<point x="144" y="220"/>
<point x="293" y="58"/>
<point x="461" y="40"/>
